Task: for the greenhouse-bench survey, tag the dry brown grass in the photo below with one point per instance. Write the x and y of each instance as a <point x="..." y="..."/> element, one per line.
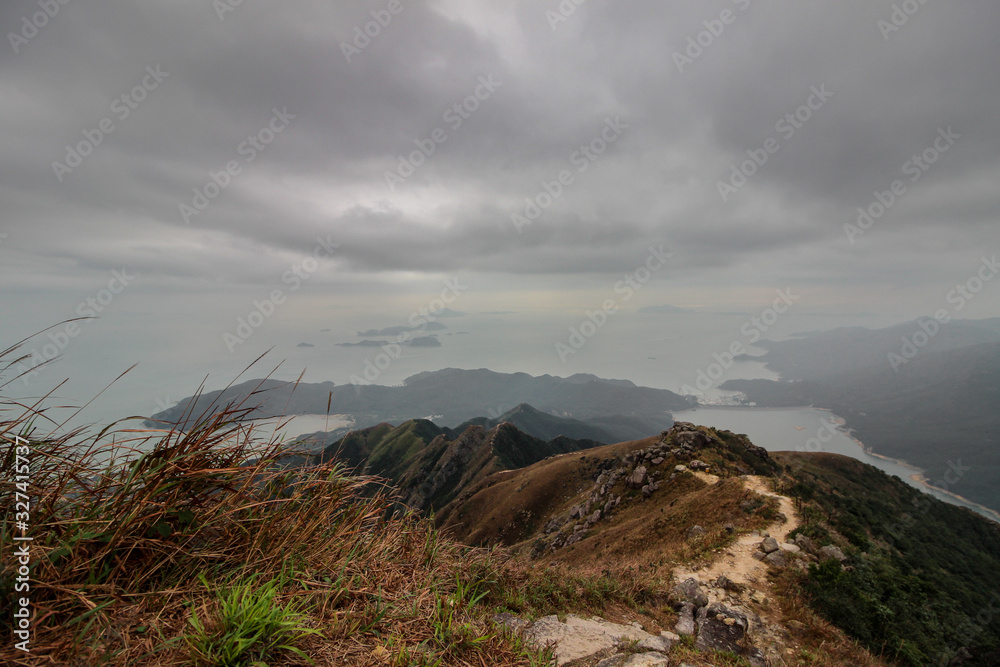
<point x="821" y="643"/>
<point x="138" y="531"/>
<point x="510" y="507"/>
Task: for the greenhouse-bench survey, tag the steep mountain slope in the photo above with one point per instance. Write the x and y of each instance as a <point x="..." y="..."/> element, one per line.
<point x="545" y="426"/>
<point x="538" y="509"/>
<point x="430" y="465"/>
<point x="922" y="577"/>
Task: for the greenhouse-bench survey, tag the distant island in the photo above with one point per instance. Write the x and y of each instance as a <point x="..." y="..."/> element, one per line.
<point x="611" y="410"/>
<point x="424" y="341"/>
<point x="367" y="342"/>
<point x="395" y="331"/>
<point x="665" y="310"/>
<point x="421" y="341"/>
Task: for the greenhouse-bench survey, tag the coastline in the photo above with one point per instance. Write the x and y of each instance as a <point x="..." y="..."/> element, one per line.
<point x="989" y="512"/>
<point x="919" y="476"/>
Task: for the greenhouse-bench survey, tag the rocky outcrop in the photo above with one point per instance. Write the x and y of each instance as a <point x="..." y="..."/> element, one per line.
<point x="720" y="629"/>
<point x="830" y="551"/>
<point x="685" y="621"/>
<point x="579" y="638"/>
<point x="651" y="659"/>
<point x="690" y="591"/>
<point x="715" y="626"/>
<point x="638" y="477"/>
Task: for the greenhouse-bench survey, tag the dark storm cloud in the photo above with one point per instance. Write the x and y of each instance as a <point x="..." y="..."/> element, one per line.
<point x="348" y="123"/>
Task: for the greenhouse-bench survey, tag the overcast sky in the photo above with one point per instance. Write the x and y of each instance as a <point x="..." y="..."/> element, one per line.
<point x="327" y="113"/>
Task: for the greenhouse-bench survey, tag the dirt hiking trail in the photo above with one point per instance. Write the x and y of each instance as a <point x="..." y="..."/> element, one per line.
<point x="736" y="561"/>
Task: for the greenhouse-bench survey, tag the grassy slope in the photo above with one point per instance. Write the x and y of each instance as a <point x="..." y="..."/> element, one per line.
<point x="642" y="541"/>
<point x="922" y="581"/>
<point x="511" y="507"/>
<point x="197" y="552"/>
<point x="430" y="465"/>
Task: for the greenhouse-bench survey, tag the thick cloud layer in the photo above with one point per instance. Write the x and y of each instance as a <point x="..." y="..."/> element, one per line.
<point x="206" y="146"/>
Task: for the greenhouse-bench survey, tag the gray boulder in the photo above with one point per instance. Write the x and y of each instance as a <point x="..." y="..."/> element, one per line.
<point x="775" y="559"/>
<point x="579" y="638"/>
<point x="830" y="551"/>
<point x="805" y="543"/>
<point x="721" y="629"/>
<point x="635" y="660"/>
<point x="638" y="477"/>
<point x="769" y="545"/>
<point x="685" y="622"/>
<point x="689" y="591"/>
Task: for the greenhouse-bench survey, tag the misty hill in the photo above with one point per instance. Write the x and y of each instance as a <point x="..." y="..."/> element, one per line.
<point x="453" y="396"/>
<point x="545" y="426"/>
<point x="430" y="465"/>
<point x="940" y="410"/>
<point x="825" y="354"/>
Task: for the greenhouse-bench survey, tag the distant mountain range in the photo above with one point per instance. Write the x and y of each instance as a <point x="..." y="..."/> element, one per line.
<point x="931" y="400"/>
<point x="580" y="406"/>
<point x="827" y="354"/>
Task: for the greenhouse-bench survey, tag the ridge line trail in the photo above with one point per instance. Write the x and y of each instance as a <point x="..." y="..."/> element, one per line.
<point x="736" y="561"/>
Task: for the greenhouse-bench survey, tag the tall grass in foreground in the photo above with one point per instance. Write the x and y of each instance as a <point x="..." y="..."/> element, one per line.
<point x="169" y="547"/>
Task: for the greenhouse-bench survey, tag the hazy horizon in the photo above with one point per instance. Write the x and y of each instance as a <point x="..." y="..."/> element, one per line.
<point x="654" y="350"/>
